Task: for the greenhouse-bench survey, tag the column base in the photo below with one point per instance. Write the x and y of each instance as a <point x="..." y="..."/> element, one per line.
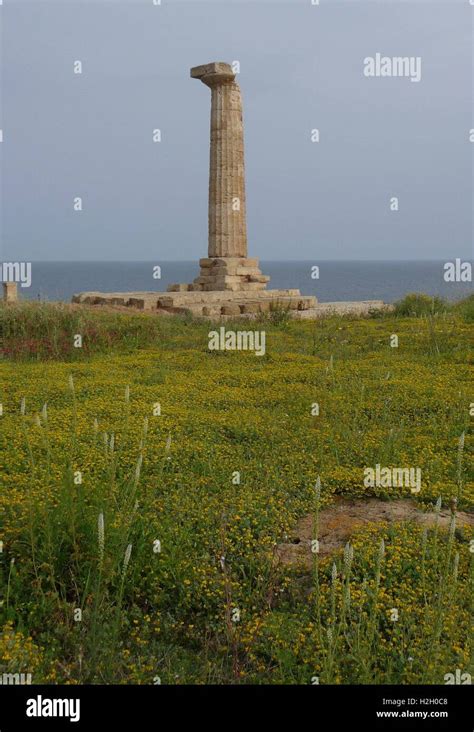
<point x="236" y="274"/>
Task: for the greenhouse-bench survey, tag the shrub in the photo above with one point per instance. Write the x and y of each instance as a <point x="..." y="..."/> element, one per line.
<point x="416" y="304"/>
<point x="465" y="308"/>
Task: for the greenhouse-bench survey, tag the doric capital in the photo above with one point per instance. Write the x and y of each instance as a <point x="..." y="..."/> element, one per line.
<point x="214" y="73"/>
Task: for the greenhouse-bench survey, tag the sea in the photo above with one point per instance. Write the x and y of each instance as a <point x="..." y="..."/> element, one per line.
<point x="327" y="280"/>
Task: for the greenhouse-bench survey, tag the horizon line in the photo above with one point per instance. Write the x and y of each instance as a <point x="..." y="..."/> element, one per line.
<point x="193" y="261"/>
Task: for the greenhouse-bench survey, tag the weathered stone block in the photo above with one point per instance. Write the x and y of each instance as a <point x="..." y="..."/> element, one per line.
<point x="252" y="286"/>
<point x="203" y="280"/>
<point x="305" y="303"/>
<point x="250" y="307"/>
<point x="245" y="271"/>
<point x="226" y="261"/>
<point x="177" y="287"/>
<point x="249" y="262"/>
<point x="231" y="286"/>
<point x="259" y="278"/>
<point x="211" y="310"/>
<point x="220" y="270"/>
<point x="218" y="69"/>
<point x="227" y="280"/>
<point x="10" y="292"/>
<point x="230" y="309"/>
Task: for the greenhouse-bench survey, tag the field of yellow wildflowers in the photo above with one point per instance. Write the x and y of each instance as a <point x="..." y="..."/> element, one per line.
<point x="145" y="482"/>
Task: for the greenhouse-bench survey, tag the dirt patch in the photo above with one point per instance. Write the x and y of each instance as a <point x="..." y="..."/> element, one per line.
<point x="340" y="520"/>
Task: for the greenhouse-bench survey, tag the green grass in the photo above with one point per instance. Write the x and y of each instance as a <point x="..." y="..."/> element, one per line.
<point x="98" y="449"/>
<point x="48" y="331"/>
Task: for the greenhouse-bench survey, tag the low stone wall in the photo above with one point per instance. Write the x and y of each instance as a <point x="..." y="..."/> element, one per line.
<point x="228" y="304"/>
<point x="361" y="307"/>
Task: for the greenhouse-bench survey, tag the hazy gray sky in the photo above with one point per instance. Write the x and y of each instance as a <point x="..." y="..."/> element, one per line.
<point x="90" y="135"/>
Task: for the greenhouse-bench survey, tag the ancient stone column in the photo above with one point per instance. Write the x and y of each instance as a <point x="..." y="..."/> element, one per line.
<point x="227" y="266"/>
<point x="227" y="212"/>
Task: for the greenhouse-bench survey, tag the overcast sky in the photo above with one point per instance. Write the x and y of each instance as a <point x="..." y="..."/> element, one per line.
<point x="301" y="67"/>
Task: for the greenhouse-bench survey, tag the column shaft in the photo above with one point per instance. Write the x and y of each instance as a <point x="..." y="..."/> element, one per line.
<point x="227" y="206"/>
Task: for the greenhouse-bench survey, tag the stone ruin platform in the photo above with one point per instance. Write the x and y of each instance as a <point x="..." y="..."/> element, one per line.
<point x="226" y="304"/>
<point x="200" y="303"/>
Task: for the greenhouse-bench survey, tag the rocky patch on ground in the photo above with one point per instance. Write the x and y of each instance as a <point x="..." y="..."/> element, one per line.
<point x="340" y="520"/>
